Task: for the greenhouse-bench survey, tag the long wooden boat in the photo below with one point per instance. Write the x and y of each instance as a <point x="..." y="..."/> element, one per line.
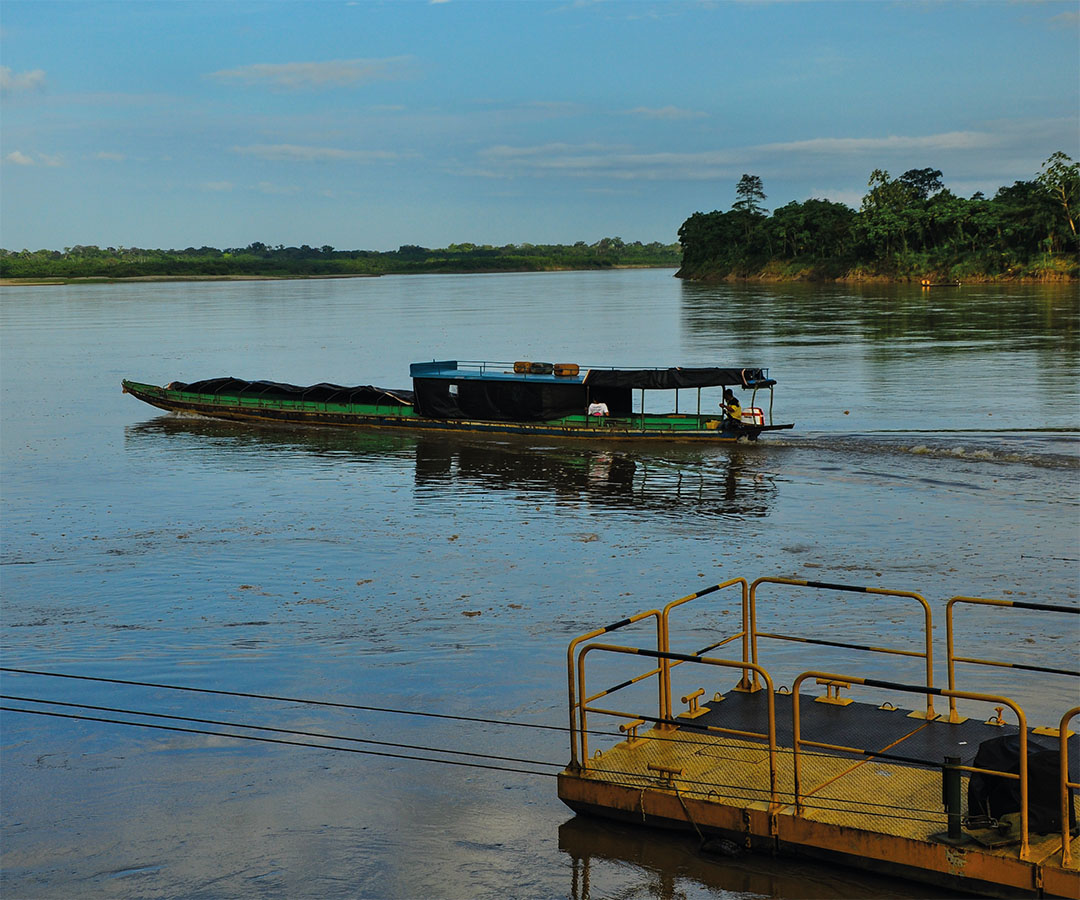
<point x="505" y="398"/>
<point x="889" y="775"/>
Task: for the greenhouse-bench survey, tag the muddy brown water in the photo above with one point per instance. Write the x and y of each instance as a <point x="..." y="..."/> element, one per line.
<point x="935" y="450"/>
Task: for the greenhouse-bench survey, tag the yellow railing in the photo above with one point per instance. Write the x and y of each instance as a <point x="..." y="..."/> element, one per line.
<point x="664" y="687"/>
<point x="798" y="742"/>
<point x="927" y="654"/>
<point x="664" y="670"/>
<point x="1066" y="786"/>
<point x="769" y="735"/>
<point x="753" y="674"/>
<point x="983" y="601"/>
<point x="744" y="683"/>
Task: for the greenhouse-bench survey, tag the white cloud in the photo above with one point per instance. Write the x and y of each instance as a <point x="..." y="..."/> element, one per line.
<point x="599" y="161"/>
<point x="505" y="151"/>
<point x="948" y="141"/>
<point x="301" y="153"/>
<point x="16" y="82"/>
<point x="334" y="73"/>
<point x="106" y="156"/>
<point x="18" y="158"/>
<point x="665" y="112"/>
<point x="217" y="186"/>
<point x="971" y="152"/>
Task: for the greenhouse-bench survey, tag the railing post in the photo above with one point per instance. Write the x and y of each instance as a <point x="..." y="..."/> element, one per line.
<point x="662" y="640"/>
<point x="951" y="794"/>
<point x="1065" y="786"/>
<point x="774" y="801"/>
<point x="666" y="632"/>
<point x="575" y="730"/>
<point x="1022" y="728"/>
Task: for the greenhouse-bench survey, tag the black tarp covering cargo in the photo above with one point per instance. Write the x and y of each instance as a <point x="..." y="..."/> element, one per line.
<point x="506" y="401"/>
<point x="668" y="379"/>
<point x="315" y="393"/>
<point x="992" y="796"/>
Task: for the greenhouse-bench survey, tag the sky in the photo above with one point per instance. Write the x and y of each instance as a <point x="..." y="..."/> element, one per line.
<point x="368" y="125"/>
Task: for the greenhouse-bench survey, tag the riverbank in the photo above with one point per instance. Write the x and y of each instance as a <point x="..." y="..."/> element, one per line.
<point x="92" y="279"/>
<point x="259" y="261"/>
<point x="768" y="275"/>
<point x="45" y="282"/>
<point x="1056" y="269"/>
<point x="859" y="278"/>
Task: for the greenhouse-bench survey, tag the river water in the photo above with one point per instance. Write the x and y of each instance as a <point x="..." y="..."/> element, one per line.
<point x="935" y="450"/>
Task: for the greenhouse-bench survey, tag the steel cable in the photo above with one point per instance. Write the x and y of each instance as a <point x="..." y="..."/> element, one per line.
<point x="690" y="787"/>
<point x="707" y="787"/>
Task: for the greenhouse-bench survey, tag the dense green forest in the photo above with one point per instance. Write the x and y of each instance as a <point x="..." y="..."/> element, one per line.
<point x="911" y="227"/>
<point x="260" y="259"/>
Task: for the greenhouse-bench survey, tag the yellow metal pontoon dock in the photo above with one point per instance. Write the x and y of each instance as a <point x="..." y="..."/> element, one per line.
<point x="866" y="784"/>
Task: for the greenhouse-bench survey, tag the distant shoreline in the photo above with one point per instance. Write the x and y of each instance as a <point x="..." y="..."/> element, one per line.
<point x="764" y="278"/>
<point x="100" y="279"/>
<point x="96" y="279"/>
<point x="770" y="278"/>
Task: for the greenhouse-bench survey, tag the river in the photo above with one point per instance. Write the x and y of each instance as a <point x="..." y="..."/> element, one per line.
<point x="935" y="450"/>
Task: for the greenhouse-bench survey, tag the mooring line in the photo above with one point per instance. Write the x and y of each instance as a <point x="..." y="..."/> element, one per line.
<point x="292" y="731"/>
<point x="254" y="696"/>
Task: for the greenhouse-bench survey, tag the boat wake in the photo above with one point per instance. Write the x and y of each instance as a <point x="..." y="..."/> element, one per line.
<point x="1047" y="450"/>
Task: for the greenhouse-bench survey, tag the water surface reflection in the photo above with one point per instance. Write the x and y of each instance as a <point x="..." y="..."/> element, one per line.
<point x="728" y="482"/>
<point x="935" y="450"/>
<point x="974" y="317"/>
<point x="609" y="859"/>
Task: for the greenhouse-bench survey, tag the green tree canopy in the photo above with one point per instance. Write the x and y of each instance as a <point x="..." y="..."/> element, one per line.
<point x="911" y="226"/>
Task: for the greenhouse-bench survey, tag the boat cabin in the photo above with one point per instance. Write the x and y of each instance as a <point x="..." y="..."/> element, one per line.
<point x="535" y="391"/>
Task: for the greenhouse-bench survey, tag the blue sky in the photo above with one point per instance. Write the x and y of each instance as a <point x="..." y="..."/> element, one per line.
<point x="366" y="125"/>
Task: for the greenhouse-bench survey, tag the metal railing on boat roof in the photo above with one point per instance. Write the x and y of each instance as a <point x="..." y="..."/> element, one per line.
<point x="502" y="366"/>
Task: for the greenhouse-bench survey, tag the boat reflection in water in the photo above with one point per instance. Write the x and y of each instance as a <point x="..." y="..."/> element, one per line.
<point x="726" y="481"/>
<point x="610" y="859"/>
<point x="720" y="483"/>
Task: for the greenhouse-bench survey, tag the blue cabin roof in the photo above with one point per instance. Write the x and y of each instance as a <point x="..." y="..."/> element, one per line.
<point x="488" y="371"/>
<point x="540" y="373"/>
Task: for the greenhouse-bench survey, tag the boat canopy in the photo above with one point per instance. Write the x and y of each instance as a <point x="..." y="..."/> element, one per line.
<point x="527" y="391"/>
<point x="667" y="379"/>
<point x="316" y="393"/>
<point x="644" y="379"/>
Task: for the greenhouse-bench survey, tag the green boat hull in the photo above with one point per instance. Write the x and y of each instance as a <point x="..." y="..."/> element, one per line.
<point x="665" y="427"/>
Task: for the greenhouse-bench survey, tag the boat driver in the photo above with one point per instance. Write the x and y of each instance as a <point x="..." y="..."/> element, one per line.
<point x="732" y="408"/>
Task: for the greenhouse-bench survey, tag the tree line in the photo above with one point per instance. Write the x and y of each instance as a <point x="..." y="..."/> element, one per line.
<point x="259" y="259"/>
<point x="910" y="227"/>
